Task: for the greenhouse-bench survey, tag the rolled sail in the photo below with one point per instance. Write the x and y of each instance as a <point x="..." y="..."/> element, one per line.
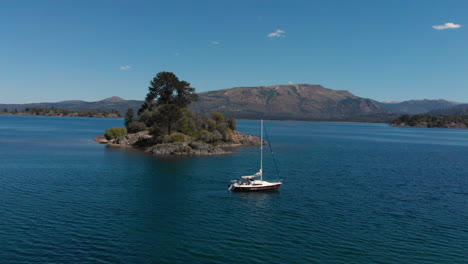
<point x="258" y="174"/>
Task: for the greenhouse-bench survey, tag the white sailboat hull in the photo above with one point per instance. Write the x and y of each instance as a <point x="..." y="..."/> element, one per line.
<point x="255" y="186"/>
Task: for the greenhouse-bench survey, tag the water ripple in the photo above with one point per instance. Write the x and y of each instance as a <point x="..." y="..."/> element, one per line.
<point x="352" y="194"/>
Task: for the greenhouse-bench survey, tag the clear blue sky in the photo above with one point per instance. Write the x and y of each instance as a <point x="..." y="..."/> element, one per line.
<point x="381" y="49"/>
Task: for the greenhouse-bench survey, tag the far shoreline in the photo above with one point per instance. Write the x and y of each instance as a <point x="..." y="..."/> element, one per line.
<point x="61" y="116"/>
<point x="247" y="119"/>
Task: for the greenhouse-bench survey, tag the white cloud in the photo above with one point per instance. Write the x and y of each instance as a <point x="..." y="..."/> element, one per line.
<point x="291" y="82"/>
<point x="447" y="26"/>
<point x="215" y="42"/>
<point x="125" y="67"/>
<point x="278" y="33"/>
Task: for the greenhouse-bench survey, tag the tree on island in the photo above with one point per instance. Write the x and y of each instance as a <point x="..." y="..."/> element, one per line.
<point x="166" y="116"/>
<point x="166" y="88"/>
<point x="5" y="110"/>
<point x="162" y="107"/>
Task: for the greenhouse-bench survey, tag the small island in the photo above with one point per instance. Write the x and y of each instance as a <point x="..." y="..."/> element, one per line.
<point x="426" y="120"/>
<point x="165" y="126"/>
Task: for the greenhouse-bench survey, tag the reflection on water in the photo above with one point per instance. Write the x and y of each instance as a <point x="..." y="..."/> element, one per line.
<point x="256" y="200"/>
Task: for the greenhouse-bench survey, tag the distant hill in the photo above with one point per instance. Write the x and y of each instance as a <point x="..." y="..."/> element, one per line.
<point x="413" y="107"/>
<point x="458" y="110"/>
<point x="113" y="99"/>
<point x="298" y="102"/>
<point x="108" y="104"/>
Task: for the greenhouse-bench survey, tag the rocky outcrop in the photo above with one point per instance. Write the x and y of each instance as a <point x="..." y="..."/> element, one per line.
<point x="132" y="140"/>
<point x="101" y="139"/>
<point x="245" y="140"/>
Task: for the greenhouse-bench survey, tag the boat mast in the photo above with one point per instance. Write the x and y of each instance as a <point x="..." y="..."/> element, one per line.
<point x="261" y="150"/>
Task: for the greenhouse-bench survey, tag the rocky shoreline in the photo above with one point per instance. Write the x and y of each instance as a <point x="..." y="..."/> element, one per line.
<point x="142" y="140"/>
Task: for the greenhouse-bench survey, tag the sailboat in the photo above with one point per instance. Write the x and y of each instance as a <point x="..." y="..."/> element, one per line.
<point x="255" y="183"/>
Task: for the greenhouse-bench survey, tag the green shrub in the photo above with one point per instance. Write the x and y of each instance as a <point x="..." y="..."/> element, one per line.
<point x="217" y="136"/>
<point x="212" y="125"/>
<point x="206" y="136"/>
<point x="187" y="123"/>
<point x="174" y="137"/>
<point x="136" y="126"/>
<point x="221" y="127"/>
<point x="227" y="135"/>
<point x="146" y="117"/>
<point x="129" y="117"/>
<point x="115" y="132"/>
<point x="231" y="122"/>
<point x="218" y="117"/>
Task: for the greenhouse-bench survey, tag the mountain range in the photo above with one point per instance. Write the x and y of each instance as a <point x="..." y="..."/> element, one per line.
<point x="294" y="102"/>
<point x="418" y="106"/>
<point x="299" y="101"/>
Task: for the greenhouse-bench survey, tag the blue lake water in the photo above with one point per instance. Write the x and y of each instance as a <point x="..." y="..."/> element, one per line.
<point x="352" y="193"/>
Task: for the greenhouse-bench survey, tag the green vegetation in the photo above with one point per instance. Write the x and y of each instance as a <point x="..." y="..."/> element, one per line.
<point x="136" y="126"/>
<point x="129" y="117"/>
<point x="115" y="132"/>
<point x="426" y="120"/>
<point x="167" y="119"/>
<point x="166" y="116"/>
<point x="232" y="124"/>
<point x="174" y="137"/>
